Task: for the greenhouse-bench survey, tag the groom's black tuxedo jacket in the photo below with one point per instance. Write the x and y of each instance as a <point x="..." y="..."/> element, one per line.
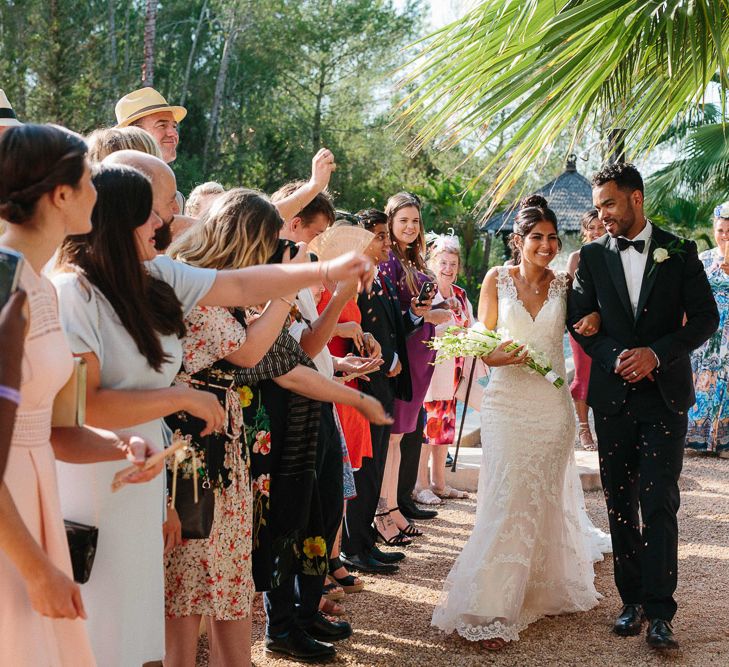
<point x="671" y="289"/>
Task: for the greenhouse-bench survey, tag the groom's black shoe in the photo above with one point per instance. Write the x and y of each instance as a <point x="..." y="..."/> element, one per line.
<point x="630" y="621"/>
<point x="660" y="635"/>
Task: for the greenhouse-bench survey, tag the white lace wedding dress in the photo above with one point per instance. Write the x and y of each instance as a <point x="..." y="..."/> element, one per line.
<point x="532" y="548"/>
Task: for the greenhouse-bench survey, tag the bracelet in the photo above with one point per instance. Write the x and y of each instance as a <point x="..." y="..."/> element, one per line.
<point x="10" y="394"/>
<point x="325" y="266"/>
<point x="286" y="301"/>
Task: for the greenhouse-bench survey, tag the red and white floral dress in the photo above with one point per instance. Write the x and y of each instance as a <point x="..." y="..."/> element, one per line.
<point x="213" y="576"/>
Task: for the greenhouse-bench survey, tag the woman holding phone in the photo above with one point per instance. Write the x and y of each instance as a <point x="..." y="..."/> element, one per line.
<point x="708" y="426"/>
<point x="406" y="269"/>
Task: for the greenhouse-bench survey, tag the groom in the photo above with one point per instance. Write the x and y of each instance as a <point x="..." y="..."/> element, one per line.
<point x="656" y="307"/>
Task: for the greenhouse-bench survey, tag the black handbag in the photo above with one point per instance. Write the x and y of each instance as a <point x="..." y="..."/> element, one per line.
<point x="196" y="517"/>
<point x="82" y="541"/>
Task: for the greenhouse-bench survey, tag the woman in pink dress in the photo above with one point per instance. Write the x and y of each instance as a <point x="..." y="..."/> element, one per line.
<point x="592" y="229"/>
<point x="45" y="193"/>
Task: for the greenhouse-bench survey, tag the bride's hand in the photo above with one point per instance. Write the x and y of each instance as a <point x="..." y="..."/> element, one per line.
<point x="589" y="325"/>
<point x="500" y="357"/>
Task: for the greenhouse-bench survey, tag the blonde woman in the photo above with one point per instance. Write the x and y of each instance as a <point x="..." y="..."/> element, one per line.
<point x="110" y="140"/>
<point x="201" y="199"/>
<point x="444" y="261"/>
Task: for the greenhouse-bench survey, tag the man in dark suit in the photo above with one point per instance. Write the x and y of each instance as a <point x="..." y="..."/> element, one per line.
<point x="656" y="307"/>
<point x="382" y="317"/>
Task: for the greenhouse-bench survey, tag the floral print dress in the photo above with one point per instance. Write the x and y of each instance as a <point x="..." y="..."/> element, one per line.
<point x="708" y="419"/>
<point x="213" y="576"/>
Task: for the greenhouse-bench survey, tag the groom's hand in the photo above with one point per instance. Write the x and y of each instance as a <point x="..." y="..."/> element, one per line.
<point x="636" y="364"/>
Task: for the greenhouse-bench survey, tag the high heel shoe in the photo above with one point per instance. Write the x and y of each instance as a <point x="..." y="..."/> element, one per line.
<point x="585" y="435"/>
<point x="410" y="530"/>
<point x="399" y="540"/>
<point x="349" y="583"/>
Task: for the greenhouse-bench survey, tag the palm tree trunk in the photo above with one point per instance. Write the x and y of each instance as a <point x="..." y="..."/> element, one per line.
<point x="150" y="30"/>
<point x="193" y="49"/>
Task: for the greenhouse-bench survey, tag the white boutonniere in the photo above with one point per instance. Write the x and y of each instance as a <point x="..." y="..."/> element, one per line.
<point x="660" y="255"/>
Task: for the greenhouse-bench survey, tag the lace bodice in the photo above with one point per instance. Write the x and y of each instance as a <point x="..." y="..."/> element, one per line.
<point x="545" y="332"/>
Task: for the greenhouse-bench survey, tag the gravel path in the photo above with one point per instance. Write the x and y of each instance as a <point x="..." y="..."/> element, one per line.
<point x="391" y="617"/>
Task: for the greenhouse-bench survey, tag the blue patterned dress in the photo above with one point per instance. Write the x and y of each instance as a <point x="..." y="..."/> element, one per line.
<point x="708" y="427"/>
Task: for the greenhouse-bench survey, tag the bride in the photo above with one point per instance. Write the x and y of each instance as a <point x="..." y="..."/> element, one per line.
<point x="532" y="548"/>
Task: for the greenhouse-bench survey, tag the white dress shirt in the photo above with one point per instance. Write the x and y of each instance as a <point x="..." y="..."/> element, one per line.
<point x="634" y="264"/>
<point x="634" y="267"/>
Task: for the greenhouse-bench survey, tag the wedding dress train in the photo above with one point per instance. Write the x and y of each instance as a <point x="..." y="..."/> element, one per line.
<point x="532" y="548"/>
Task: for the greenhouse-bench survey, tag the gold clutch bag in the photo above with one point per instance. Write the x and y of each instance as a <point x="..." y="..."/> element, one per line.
<point x="69" y="406"/>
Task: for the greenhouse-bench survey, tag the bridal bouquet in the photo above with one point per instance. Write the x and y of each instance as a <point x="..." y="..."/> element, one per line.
<point x="479" y="341"/>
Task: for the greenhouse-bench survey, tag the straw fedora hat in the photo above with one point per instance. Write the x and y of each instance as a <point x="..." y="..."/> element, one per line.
<point x="141" y="103"/>
<point x="7" y="115"/>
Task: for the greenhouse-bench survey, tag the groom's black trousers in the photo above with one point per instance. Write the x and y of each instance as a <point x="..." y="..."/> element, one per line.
<point x="641" y="455"/>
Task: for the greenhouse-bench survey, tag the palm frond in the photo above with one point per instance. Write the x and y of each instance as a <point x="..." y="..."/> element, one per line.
<point x="543" y="66"/>
<point x="703" y="168"/>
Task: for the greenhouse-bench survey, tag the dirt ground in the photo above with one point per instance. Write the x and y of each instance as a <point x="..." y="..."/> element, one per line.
<point x="391" y="618"/>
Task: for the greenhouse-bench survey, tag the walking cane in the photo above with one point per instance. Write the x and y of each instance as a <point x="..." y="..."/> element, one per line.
<point x="463" y="416"/>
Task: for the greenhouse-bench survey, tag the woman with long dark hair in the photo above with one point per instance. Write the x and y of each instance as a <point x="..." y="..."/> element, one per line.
<point x="407" y="270"/>
<point x="123" y="309"/>
<point x="45" y="193"/>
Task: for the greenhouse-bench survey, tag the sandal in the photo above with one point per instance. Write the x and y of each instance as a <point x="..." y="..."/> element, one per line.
<point x="495" y="644"/>
<point x="331" y="608"/>
<point x="585" y="434"/>
<point x="427" y="497"/>
<point x="410" y="530"/>
<point x="448" y="492"/>
<point x="348" y="583"/>
<point x="333" y="591"/>
<point x="399" y="540"/>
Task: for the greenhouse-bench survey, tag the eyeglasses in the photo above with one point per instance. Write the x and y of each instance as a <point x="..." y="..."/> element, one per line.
<point x="722" y="211"/>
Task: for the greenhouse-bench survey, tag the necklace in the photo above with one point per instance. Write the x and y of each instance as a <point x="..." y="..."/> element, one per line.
<point x="529" y="285"/>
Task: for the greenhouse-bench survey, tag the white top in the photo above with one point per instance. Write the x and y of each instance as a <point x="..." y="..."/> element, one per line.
<point x="124" y="597"/>
<point x="634" y="264"/>
<point x="307" y="307"/>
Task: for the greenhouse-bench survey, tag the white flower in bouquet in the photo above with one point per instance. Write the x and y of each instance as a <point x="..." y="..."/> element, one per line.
<point x="478" y="341"/>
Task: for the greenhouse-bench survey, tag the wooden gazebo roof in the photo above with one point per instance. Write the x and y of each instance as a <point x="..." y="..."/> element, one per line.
<point x="569" y="196"/>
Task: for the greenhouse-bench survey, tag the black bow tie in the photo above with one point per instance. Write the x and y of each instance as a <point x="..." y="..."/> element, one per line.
<point x="624" y="244"/>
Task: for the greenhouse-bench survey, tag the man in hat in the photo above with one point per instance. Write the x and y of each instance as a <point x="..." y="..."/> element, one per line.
<point x="7" y="115"/>
<point x="146" y="108"/>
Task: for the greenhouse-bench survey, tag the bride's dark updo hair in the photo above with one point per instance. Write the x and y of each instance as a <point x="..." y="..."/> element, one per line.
<point x="532" y="210"/>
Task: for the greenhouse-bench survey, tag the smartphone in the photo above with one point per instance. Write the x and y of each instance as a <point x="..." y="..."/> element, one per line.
<point x="426" y="291"/>
<point x="279" y="253"/>
<point x="11" y="262"/>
